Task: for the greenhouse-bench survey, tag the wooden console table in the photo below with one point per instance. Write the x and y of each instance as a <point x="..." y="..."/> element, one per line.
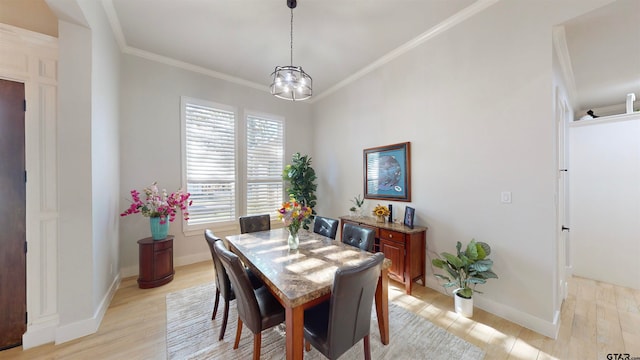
<point x="156" y="262"/>
<point x="405" y="247"/>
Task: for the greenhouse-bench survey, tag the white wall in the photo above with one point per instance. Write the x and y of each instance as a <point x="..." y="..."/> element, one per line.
<point x="74" y="155"/>
<point x="605" y="199"/>
<point x="476" y="103"/>
<point x="105" y="95"/>
<point x="88" y="166"/>
<point x="150" y="141"/>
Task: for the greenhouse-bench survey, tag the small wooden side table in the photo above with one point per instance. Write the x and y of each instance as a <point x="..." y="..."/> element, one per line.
<point x="156" y="262"/>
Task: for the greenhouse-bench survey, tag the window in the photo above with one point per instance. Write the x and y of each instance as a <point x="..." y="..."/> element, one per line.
<point x="265" y="148"/>
<point x="230" y="167"/>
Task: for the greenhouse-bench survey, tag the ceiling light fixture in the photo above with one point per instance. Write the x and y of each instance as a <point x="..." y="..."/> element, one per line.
<point x="291" y="82"/>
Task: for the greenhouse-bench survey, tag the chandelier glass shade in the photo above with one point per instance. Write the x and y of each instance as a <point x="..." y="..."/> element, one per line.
<point x="291" y="82"/>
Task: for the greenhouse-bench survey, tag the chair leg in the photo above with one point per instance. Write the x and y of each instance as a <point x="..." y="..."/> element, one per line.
<point x="238" y="333"/>
<point x="367" y="348"/>
<point x="215" y="304"/>
<point x="257" y="342"/>
<point x="225" y="317"/>
<point x="307" y="346"/>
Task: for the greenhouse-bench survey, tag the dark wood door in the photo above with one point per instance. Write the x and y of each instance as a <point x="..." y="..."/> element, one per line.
<point x="13" y="279"/>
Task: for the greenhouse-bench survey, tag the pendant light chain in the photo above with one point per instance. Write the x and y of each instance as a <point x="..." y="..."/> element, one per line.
<point x="291" y="37"/>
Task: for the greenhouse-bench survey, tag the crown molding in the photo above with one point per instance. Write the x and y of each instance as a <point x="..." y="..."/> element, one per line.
<point x="116" y="28"/>
<point x="20" y="35"/>
<point x="442" y="27"/>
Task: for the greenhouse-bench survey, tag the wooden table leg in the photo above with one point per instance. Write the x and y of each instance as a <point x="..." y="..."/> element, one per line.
<point x="295" y="335"/>
<point x="382" y="305"/>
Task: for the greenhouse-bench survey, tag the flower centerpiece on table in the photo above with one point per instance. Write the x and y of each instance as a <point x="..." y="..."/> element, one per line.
<point x="293" y="214"/>
<point x="157" y="204"/>
<point x="381" y="212"/>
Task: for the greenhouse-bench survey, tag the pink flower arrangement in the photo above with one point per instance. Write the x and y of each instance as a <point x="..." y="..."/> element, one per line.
<point x="159" y="204"/>
<point x="292" y="213"/>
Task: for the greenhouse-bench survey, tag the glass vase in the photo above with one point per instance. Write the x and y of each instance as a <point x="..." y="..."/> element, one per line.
<point x="293" y="240"/>
<point x="159" y="231"/>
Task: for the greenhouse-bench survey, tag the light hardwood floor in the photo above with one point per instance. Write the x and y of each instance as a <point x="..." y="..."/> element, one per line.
<point x="597" y="319"/>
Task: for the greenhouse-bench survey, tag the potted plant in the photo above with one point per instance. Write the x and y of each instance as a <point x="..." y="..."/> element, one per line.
<point x="358" y="202"/>
<point x="159" y="207"/>
<point x="293" y="214"/>
<point x="301" y="178"/>
<point x="464" y="271"/>
<point x="380" y="212"/>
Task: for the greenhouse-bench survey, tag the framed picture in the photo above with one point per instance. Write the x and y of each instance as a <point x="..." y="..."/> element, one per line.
<point x="409" y="214"/>
<point x="387" y="172"/>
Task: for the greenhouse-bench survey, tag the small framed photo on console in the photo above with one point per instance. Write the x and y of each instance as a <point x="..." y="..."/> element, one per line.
<point x="409" y="214"/>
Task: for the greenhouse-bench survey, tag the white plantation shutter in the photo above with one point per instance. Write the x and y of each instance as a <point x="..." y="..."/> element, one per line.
<point x="210" y="149"/>
<point x="265" y="152"/>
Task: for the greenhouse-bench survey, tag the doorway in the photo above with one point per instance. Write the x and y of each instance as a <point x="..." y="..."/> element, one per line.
<point x="13" y="279"/>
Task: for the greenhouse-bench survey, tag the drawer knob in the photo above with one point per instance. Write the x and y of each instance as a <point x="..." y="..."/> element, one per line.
<point x="390" y="236"/>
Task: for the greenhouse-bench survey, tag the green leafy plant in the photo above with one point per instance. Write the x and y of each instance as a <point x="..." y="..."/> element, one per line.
<point x="358" y="201"/>
<point x="466" y="269"/>
<point x="301" y="178"/>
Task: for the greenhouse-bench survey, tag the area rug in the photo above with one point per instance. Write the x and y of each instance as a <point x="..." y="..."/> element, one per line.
<point x="191" y="334"/>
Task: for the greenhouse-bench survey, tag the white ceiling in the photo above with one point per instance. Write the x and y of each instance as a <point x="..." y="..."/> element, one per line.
<point x="243" y="40"/>
<point x="604" y="46"/>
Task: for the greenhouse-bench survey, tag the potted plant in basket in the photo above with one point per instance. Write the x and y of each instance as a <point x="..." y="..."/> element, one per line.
<point x="464" y="271"/>
<point x="159" y="207"/>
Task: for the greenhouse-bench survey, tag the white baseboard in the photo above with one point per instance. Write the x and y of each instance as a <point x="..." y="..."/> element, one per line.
<point x="87" y="326"/>
<point x="40" y="333"/>
<point x="49" y="330"/>
<point x="192" y="259"/>
<point x="179" y="261"/>
<point x="541" y="326"/>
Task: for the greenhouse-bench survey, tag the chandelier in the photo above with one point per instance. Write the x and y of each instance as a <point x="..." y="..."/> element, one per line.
<point x="291" y="82"/>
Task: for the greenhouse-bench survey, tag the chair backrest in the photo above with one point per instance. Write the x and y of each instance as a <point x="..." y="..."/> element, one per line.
<point x="249" y="224"/>
<point x="222" y="279"/>
<point x="325" y="226"/>
<point x="351" y="299"/>
<point x="246" y="301"/>
<point x="358" y="236"/>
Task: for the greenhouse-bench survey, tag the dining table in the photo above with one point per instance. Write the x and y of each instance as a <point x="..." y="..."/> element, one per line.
<point x="303" y="278"/>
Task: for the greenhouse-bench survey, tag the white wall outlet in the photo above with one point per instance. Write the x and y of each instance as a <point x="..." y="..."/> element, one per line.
<point x="505" y="197"/>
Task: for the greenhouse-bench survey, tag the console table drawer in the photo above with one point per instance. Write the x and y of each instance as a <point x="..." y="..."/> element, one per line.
<point x="392" y="235"/>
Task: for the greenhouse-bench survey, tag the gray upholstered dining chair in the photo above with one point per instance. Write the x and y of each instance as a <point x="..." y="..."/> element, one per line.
<point x="325" y="226"/>
<point x="254" y="223"/>
<point x="223" y="285"/>
<point x="334" y="326"/>
<point x="358" y="236"/>
<point x="257" y="308"/>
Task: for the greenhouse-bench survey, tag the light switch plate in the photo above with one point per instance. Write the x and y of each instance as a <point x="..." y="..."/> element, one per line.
<point x="505" y="197"/>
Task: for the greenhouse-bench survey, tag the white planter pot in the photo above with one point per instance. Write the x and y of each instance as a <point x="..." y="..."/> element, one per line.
<point x="463" y="306"/>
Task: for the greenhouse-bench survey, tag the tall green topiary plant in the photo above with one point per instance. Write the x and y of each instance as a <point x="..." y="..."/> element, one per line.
<point x="301" y="178"/>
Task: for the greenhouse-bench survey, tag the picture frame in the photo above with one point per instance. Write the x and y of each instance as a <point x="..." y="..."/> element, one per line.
<point x="409" y="215"/>
<point x="387" y="172"/>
